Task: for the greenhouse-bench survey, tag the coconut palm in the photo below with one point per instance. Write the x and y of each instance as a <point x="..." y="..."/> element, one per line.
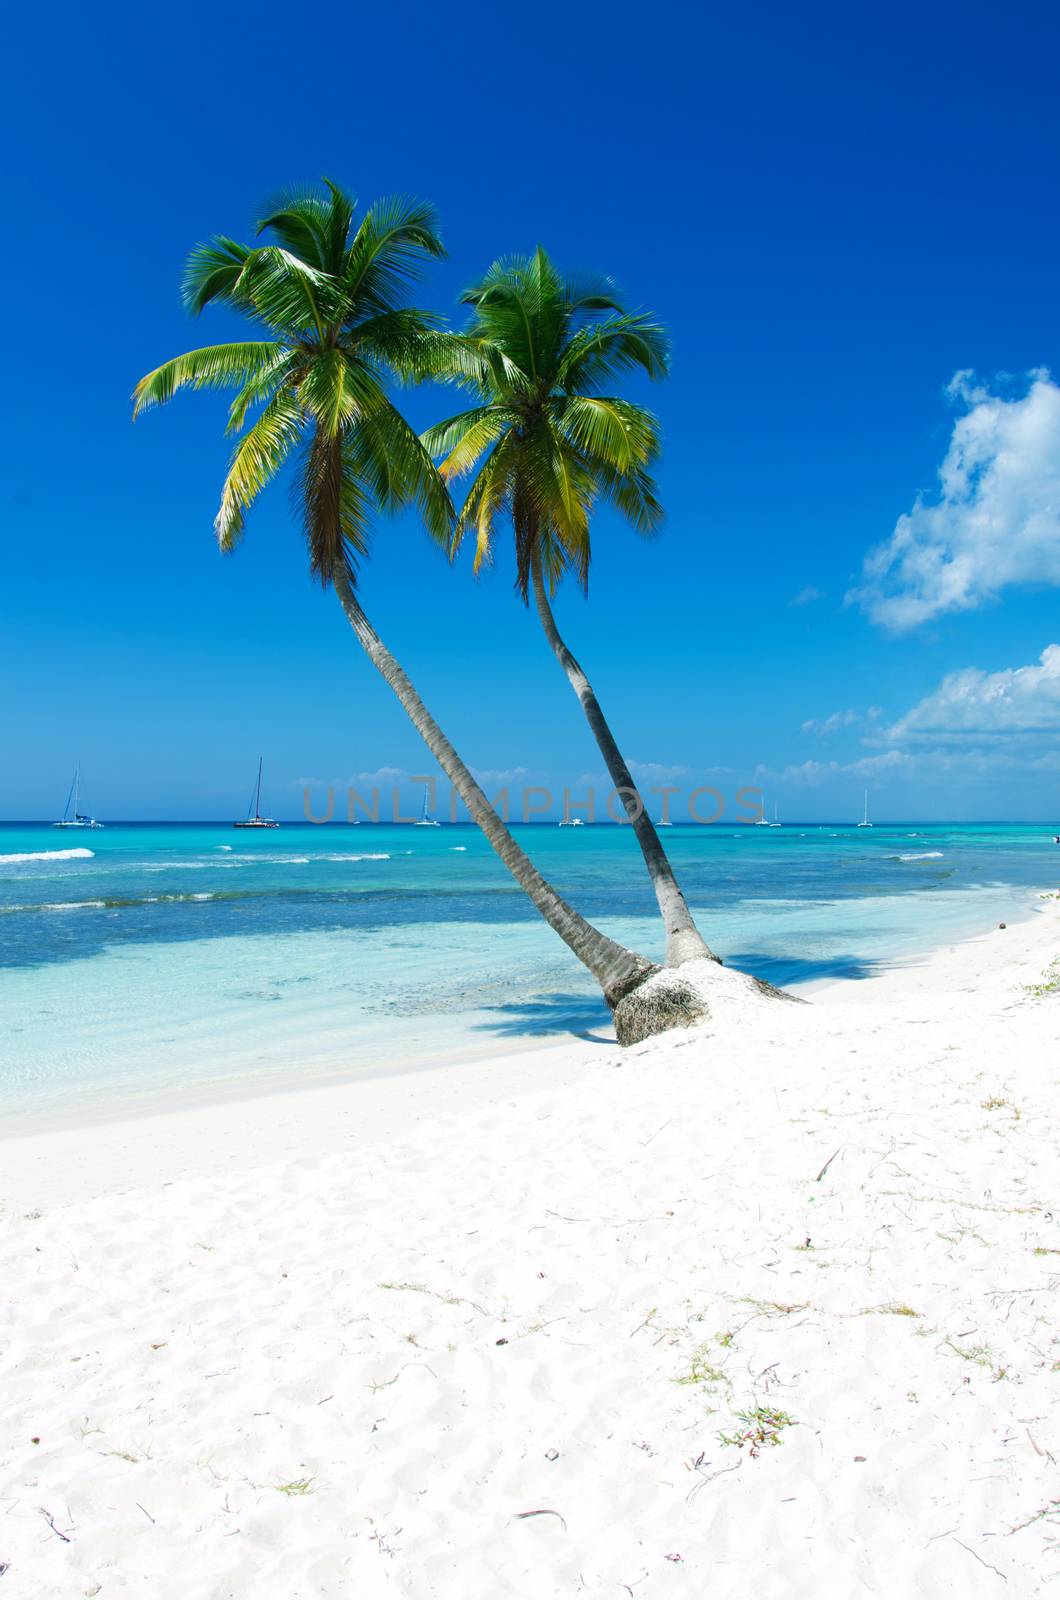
<point x="331" y="297"/>
<point x="547" y="444"/>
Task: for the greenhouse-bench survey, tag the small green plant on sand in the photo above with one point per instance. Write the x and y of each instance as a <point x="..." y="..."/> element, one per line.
<point x="297" y="1486"/>
<point x="1050" y="983"/>
<point x="979" y="1354"/>
<point x="762" y="1425"/>
<point x="702" y="1370"/>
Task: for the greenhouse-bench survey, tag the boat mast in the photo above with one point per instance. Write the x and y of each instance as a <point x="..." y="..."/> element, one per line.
<point x="257" y="793"/>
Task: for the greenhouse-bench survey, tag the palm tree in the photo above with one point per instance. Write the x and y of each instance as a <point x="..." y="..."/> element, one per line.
<point x="332" y="299"/>
<point x="546" y="447"/>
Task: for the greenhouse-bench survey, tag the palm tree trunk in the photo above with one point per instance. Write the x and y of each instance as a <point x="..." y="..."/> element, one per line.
<point x="617" y="970"/>
<point x="684" y="942"/>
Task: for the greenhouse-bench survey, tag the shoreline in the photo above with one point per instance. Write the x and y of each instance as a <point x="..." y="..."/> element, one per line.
<point x="146" y="1142"/>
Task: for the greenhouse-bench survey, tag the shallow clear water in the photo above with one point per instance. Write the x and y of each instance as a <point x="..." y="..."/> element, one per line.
<point x="155" y="961"/>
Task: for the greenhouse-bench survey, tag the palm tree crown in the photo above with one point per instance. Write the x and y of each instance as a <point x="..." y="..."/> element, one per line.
<point x="332" y="298"/>
<point x="547" y="443"/>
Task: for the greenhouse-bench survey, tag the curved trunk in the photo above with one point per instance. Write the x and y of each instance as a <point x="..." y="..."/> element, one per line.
<point x="617" y="970"/>
<point x="684" y="942"/>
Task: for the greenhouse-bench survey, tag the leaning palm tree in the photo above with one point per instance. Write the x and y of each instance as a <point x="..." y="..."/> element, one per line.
<point x="331" y="298"/>
<point x="546" y="446"/>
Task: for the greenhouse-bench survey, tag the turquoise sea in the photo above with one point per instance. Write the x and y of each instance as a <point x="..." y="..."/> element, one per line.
<point x="147" y="964"/>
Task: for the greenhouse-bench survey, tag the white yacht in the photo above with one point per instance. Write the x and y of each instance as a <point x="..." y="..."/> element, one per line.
<point x="254" y="818"/>
<point x="73" y="816"/>
<point x="763" y="821"/>
<point x="865" y="823"/>
<point x="426" y="820"/>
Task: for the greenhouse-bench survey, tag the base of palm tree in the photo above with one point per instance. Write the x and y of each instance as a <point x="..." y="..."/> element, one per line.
<point x="663" y="1001"/>
<point x="698" y="992"/>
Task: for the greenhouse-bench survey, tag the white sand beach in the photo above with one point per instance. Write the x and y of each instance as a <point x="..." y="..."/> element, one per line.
<point x="765" y="1309"/>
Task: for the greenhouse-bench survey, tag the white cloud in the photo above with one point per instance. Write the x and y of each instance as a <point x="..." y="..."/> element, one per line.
<point x="487" y="776"/>
<point x="377" y="779"/>
<point x="656" y="772"/>
<point x="806" y="596"/>
<point x="971" y="704"/>
<point x="832" y="724"/>
<point x="996" y="521"/>
<point x="815" y="774"/>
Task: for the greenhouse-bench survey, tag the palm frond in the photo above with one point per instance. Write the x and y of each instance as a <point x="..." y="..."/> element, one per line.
<point x="287" y="293"/>
<point x="262" y="385"/>
<point x="589" y="295"/>
<point x="490" y="495"/>
<point x="212" y="272"/>
<point x="407" y="341"/>
<point x="313" y="222"/>
<point x="636" y="495"/>
<point x="216" y="366"/>
<point x="390" y="251"/>
<point x="610" y="350"/>
<point x="394" y="465"/>
<point x="334" y="508"/>
<point x="463" y="439"/>
<point x="336" y="389"/>
<point x="257" y="458"/>
<point x="612" y="432"/>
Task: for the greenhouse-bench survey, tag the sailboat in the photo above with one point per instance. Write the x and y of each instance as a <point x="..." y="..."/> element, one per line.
<point x="254" y="816"/>
<point x="426" y="820"/>
<point x="775" y="823"/>
<point x="73" y="816"/>
<point x="865" y="823"/>
<point x="762" y="821"/>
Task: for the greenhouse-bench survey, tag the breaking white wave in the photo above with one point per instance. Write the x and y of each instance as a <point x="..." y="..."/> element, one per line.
<point x="47" y="855"/>
<point x="458" y="847"/>
<point x="75" y="905"/>
<point x="923" y="855"/>
<point x="378" y="856"/>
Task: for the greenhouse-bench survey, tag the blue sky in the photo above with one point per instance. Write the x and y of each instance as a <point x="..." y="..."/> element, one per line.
<point x="834" y="209"/>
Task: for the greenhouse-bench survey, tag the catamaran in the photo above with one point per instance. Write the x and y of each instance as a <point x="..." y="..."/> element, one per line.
<point x="865" y="823"/>
<point x="73" y="816"/>
<point x="572" y="822"/>
<point x="763" y="821"/>
<point x="254" y="816"/>
<point x="426" y="820"/>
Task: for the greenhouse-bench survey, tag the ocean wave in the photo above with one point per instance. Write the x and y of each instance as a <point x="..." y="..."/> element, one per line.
<point x="458" y="847"/>
<point x="923" y="855"/>
<point x="113" y="903"/>
<point x="378" y="856"/>
<point x="47" y="855"/>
